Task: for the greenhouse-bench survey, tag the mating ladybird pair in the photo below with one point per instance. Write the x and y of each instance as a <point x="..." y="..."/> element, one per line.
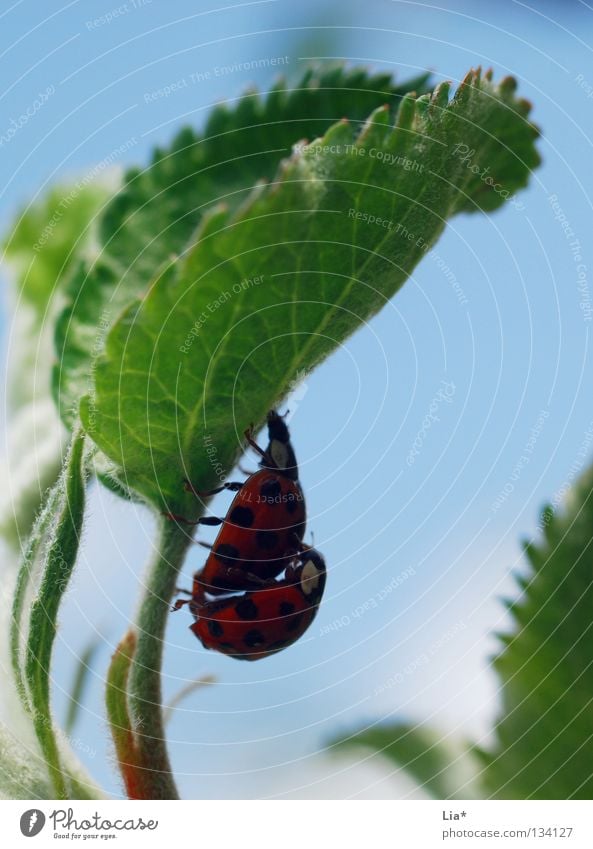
<point x="259" y="553"/>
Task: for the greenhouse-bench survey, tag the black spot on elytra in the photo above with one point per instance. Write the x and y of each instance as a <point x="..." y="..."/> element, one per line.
<point x="266" y="540"/>
<point x="242" y="516"/>
<point x="227" y="554"/>
<point x="254" y="638"/>
<point x="270" y="489"/>
<point x="246" y="609"/>
<point x="295" y="622"/>
<point x="286" y="608"/>
<point x="215" y="628"/>
<point x="291" y="505"/>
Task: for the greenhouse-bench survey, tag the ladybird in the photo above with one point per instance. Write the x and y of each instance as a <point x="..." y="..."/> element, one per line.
<point x="259" y="623"/>
<point x="264" y="525"/>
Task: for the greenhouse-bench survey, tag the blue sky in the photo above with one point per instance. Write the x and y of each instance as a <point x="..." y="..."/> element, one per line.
<point x="514" y="352"/>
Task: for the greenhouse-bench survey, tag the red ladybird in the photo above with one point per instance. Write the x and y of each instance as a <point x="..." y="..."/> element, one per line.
<point x="265" y="523"/>
<point x="262" y="622"/>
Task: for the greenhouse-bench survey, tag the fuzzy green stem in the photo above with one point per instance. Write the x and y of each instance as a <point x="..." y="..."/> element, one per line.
<point x="145" y="693"/>
<point x="26" y="568"/>
<point x="59" y="563"/>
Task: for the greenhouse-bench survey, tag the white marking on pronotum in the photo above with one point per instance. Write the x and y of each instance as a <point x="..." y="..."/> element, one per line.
<point x="279" y="452"/>
<point x="309" y="577"/>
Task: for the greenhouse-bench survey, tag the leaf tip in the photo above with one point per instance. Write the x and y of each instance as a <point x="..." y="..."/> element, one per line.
<point x="127" y="646"/>
<point x="467" y="79"/>
<point x="374" y="127"/>
<point x="406" y="112"/>
<point x="508" y="85"/>
<point x="440" y="96"/>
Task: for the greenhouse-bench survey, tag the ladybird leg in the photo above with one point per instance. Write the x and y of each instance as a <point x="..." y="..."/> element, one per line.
<point x="295" y="547"/>
<point x="204" y="544"/>
<point x="290" y="576"/>
<point x="233" y="486"/>
<point x="248" y="578"/>
<point x="254" y="445"/>
<point x="232" y="579"/>
<point x="173" y="517"/>
<point x="200" y="590"/>
<point x="203" y="520"/>
<point x="210" y="520"/>
<point x="181" y="601"/>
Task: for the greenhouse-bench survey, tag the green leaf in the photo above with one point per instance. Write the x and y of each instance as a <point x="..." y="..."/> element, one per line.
<point x="544" y="742"/>
<point x="442" y="768"/>
<point x="39" y="253"/>
<point x="158" y="208"/>
<point x="120" y="722"/>
<point x="184" y="693"/>
<point x="270" y="290"/>
<point x="79" y="683"/>
<point x="35" y="441"/>
<point x="46" y="239"/>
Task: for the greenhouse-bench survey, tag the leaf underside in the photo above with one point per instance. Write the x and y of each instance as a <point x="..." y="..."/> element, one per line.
<point x="158" y="208"/>
<point x="266" y="291"/>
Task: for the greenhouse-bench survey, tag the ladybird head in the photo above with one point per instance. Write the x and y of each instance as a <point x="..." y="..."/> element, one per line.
<point x="280" y="450"/>
<point x="311" y="575"/>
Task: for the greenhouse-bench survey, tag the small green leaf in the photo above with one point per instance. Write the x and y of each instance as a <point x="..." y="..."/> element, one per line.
<point x="270" y="290"/>
<point x="184" y="693"/>
<point x="120" y="723"/>
<point x="544" y="742"/>
<point x="47" y="238"/>
<point x="81" y="677"/>
<point x="158" y="208"/>
<point x="39" y="253"/>
<point x="35" y="438"/>
<point x="443" y="769"/>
